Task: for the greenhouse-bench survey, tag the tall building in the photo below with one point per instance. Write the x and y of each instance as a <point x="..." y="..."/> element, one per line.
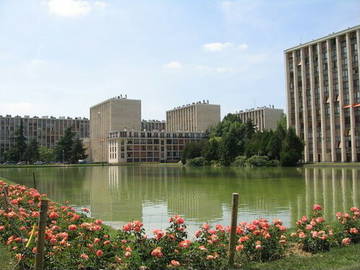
<point x="45" y="130"/>
<point x="118" y="113"/>
<point x="323" y="96"/>
<point x="150" y="125"/>
<point x="195" y="117"/>
<point x="264" y="118"/>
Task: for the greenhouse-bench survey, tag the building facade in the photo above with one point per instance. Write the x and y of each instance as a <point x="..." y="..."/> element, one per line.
<point x="149" y="146"/>
<point x="45" y="130"/>
<point x="150" y="125"/>
<point x="323" y="96"/>
<point x="118" y="113"/>
<point x="195" y="117"/>
<point x="263" y="118"/>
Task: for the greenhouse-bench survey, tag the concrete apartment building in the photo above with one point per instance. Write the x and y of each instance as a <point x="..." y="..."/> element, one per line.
<point x="195" y="117"/>
<point x="149" y="146"/>
<point x="46" y="130"/>
<point x="118" y="113"/>
<point x="264" y="118"/>
<point x="323" y="96"/>
<point x="150" y="125"/>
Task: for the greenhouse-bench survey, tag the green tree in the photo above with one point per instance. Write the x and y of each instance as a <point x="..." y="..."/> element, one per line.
<point x="211" y="149"/>
<point x="63" y="149"/>
<point x="77" y="151"/>
<point x="292" y="149"/>
<point x="46" y="154"/>
<point x="32" y="151"/>
<point x="192" y="150"/>
<point x="20" y="143"/>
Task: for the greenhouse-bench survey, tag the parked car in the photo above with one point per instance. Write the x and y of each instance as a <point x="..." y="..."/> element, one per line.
<point x="21" y="163"/>
<point x="39" y="163"/>
<point x="9" y="163"/>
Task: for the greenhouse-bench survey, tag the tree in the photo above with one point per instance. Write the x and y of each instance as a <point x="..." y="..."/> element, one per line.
<point x="46" y="154"/>
<point x="77" y="151"/>
<point x="32" y="151"/>
<point x="20" y="144"/>
<point x="292" y="149"/>
<point x="192" y="150"/>
<point x="211" y="149"/>
<point x="63" y="149"/>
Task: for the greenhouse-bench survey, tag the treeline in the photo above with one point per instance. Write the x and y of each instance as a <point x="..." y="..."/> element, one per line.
<point x="235" y="143"/>
<point x="69" y="149"/>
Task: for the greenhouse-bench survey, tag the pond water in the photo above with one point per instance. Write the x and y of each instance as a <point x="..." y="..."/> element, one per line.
<point x="152" y="194"/>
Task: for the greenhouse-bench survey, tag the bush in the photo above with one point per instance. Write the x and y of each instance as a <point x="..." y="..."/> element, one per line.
<point x="313" y="233"/>
<point x="260" y="161"/>
<point x="349" y="226"/>
<point x="196" y="162"/>
<point x="240" y="161"/>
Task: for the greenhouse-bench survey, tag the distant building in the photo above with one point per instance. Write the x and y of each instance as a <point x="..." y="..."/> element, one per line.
<point x="45" y="130"/>
<point x="323" y="96"/>
<point x="118" y="113"/>
<point x="151" y="146"/>
<point x="264" y="118"/>
<point x="195" y="117"/>
<point x="150" y="125"/>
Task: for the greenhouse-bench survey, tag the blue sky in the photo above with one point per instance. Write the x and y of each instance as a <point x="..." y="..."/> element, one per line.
<point x="59" y="57"/>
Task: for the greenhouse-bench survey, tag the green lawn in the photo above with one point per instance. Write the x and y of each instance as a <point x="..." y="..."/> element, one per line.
<point x="6" y="262"/>
<point x="344" y="258"/>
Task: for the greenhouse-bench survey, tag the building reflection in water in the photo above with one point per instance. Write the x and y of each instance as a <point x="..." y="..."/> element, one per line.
<point x="336" y="189"/>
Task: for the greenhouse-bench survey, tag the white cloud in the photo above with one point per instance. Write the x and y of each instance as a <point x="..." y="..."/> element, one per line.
<point x="73" y="8"/>
<point x="218" y="46"/>
<point x="100" y="4"/>
<point x="173" y="65"/>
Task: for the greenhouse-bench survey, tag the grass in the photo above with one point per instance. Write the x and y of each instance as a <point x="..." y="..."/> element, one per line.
<point x="341" y="258"/>
<point x="6" y="260"/>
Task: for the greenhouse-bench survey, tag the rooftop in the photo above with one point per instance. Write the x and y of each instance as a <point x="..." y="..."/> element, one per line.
<point x="334" y="34"/>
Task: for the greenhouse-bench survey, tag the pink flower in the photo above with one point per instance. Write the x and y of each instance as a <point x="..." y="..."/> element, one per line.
<point x="175" y="263"/>
<point x="309" y="227"/>
<point x="346" y="241"/>
<point x="205" y="226"/>
<point x="157" y="252"/>
<point x="354" y="231"/>
<point x="127" y="254"/>
<point x="239" y="247"/>
<point x="210" y="257"/>
<point x="98" y="222"/>
<point x="185" y="243"/>
<point x="84" y="256"/>
<point x="317" y="207"/>
<point x="99" y="253"/>
<point x="72" y="227"/>
<point x="202" y="248"/>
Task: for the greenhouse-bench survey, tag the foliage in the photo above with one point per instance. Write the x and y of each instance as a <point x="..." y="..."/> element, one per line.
<point x="313" y="233"/>
<point x="192" y="150"/>
<point x="46" y="154"/>
<point x="69" y="149"/>
<point x="349" y="230"/>
<point x="240" y="161"/>
<point x="232" y="138"/>
<point x="32" y="151"/>
<point x="197" y="162"/>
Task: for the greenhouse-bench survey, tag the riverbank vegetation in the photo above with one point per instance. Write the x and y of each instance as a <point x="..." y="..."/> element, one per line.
<point x="74" y="241"/>
<point x="69" y="149"/>
<point x="233" y="143"/>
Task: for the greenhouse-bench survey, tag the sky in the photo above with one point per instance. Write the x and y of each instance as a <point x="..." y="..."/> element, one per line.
<point x="59" y="57"/>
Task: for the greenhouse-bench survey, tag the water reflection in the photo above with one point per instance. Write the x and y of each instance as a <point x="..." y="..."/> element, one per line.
<point x="152" y="194"/>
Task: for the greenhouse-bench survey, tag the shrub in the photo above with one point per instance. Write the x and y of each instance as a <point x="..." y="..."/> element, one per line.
<point x="313" y="233"/>
<point x="196" y="162"/>
<point x="240" y="161"/>
<point x="260" y="161"/>
<point x="349" y="226"/>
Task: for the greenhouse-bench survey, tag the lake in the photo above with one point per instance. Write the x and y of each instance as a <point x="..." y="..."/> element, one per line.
<point x="154" y="193"/>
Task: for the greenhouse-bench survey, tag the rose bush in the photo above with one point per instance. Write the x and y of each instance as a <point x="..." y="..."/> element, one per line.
<point x="349" y="226"/>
